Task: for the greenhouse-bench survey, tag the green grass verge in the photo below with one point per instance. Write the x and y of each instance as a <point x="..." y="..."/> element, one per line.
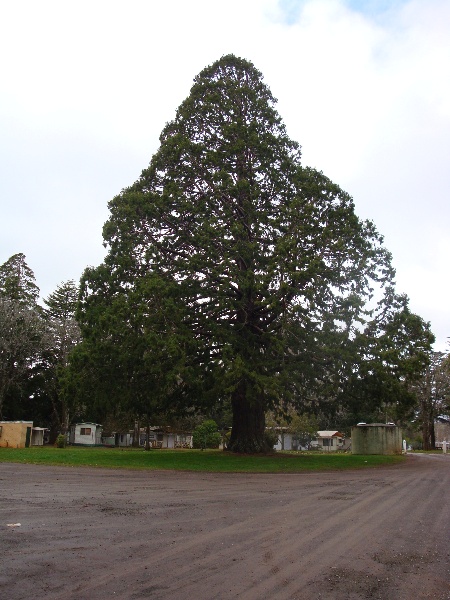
<point x="191" y="460"/>
<point x="437" y="451"/>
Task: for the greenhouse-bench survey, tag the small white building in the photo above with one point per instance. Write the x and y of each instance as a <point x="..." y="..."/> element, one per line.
<point x="123" y="439"/>
<point x="166" y="437"/>
<point x="329" y="441"/>
<point x="86" y="434"/>
<point x="287" y="440"/>
<point x="159" y="437"/>
<point x="38" y="436"/>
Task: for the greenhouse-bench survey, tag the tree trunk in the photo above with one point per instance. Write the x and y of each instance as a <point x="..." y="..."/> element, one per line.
<point x="427" y="425"/>
<point x="248" y="425"/>
<point x="2" y="396"/>
<point x="428" y="422"/>
<point x="432" y="436"/>
<point x="147" y="435"/>
<point x="136" y="434"/>
<point x="425" y="432"/>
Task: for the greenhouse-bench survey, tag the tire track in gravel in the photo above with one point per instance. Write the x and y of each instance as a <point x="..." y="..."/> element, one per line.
<point x="172" y="535"/>
<point x="352" y="530"/>
<point x="258" y="537"/>
<point x="281" y="579"/>
<point x="278" y="572"/>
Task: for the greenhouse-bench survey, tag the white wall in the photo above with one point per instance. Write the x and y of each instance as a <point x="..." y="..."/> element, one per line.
<point x="89" y="439"/>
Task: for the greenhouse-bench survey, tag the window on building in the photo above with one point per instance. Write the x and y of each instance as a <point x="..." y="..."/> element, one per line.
<point x="85" y="430"/>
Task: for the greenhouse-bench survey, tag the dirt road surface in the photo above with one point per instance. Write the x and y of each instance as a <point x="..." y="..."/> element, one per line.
<point x="111" y="534"/>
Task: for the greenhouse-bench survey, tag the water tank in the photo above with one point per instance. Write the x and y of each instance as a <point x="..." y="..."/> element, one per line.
<point x="376" y="438"/>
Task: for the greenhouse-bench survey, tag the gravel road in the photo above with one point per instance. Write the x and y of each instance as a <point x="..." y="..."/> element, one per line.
<point x="99" y="534"/>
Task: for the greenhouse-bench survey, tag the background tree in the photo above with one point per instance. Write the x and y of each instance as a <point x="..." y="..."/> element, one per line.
<point x="22" y="336"/>
<point x="17" y="282"/>
<point x="254" y="270"/>
<point x="433" y="396"/>
<point x="302" y="426"/>
<point x="128" y="361"/>
<point x="392" y="355"/>
<point x="64" y="335"/>
<point x="206" y="435"/>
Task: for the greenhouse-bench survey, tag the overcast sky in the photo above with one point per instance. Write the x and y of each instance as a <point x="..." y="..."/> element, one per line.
<point x="363" y="86"/>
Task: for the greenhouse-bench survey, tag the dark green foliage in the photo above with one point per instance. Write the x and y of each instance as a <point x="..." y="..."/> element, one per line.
<point x="396" y="349"/>
<point x="271" y="438"/>
<point x="64" y="336"/>
<point x="17" y="281"/>
<point x="62" y="303"/>
<point x="129" y="360"/>
<point x="233" y="272"/>
<point x="34" y="347"/>
<point x="206" y="435"/>
<point x="303" y="427"/>
<point x="432" y="394"/>
<point x="61" y="441"/>
<point x="22" y="338"/>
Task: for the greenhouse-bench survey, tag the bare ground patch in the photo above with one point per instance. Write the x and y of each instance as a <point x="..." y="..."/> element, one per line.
<point x="93" y="533"/>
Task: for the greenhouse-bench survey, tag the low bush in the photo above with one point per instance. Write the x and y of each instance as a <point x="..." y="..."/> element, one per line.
<point x="206" y="435"/>
<point x="61" y="441"/>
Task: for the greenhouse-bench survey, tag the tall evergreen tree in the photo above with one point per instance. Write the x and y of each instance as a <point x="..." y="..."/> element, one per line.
<point x="392" y="354"/>
<point x="432" y="392"/>
<point x="22" y="333"/>
<point x="64" y="335"/>
<point x="17" y="281"/>
<point x="253" y="270"/>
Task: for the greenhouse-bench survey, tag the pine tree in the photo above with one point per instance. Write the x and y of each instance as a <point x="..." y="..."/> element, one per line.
<point x="64" y="334"/>
<point x="241" y="272"/>
<point x="22" y="331"/>
<point x="17" y="281"/>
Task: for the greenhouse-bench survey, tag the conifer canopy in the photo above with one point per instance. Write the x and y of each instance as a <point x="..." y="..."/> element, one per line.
<point x="233" y="272"/>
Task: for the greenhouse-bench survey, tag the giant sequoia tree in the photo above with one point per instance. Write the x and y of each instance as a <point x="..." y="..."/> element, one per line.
<point x="231" y="267"/>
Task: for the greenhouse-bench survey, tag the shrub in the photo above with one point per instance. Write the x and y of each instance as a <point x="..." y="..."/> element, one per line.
<point x="61" y="441"/>
<point x="271" y="438"/>
<point x="206" y="435"/>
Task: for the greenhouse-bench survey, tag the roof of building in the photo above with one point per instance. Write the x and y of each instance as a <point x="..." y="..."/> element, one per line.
<point x="330" y="434"/>
<point x="376" y="425"/>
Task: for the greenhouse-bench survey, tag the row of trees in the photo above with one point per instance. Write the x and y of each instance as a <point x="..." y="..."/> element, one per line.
<point x="246" y="274"/>
<point x="235" y="279"/>
<point x="39" y="379"/>
<point x="35" y="344"/>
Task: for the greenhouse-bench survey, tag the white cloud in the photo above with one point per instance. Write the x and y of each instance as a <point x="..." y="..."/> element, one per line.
<point x="86" y="87"/>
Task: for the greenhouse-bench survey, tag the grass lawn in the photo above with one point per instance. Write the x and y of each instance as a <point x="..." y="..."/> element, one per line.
<point x="191" y="460"/>
<point x="436" y="451"/>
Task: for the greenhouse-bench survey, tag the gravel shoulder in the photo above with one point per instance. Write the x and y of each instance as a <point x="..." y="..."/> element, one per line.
<point x="95" y="534"/>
